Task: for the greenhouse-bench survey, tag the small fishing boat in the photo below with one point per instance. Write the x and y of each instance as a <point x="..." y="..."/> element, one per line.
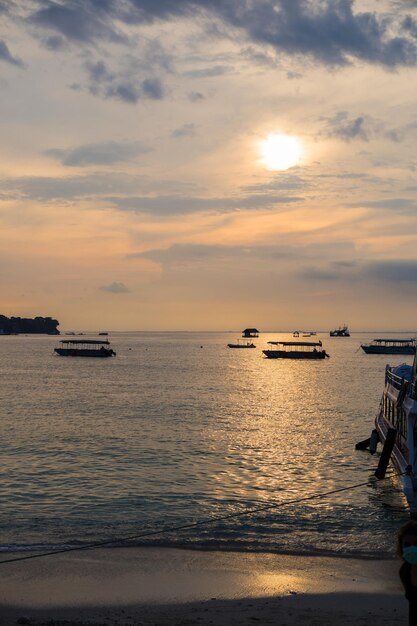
<point x="390" y="346"/>
<point x="397" y="419"/>
<point x="241" y="343"/>
<point x="85" y="347"/>
<point x="296" y="350"/>
<point x="342" y="331"/>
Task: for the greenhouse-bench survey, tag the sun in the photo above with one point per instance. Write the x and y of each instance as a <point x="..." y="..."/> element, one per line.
<point x="280" y="152"/>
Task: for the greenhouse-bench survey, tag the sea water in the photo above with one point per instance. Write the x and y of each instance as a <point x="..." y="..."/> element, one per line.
<point x="178" y="429"/>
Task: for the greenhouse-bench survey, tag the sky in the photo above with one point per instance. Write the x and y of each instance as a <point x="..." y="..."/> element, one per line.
<point x="135" y="188"/>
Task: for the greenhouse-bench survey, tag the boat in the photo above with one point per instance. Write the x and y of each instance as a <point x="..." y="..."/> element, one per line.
<point x="390" y="346"/>
<point x="398" y="411"/>
<point x="250" y="332"/>
<point x="240" y="343"/>
<point x="296" y="350"/>
<point x="85" y="347"/>
<point x="296" y="333"/>
<point x="342" y="331"/>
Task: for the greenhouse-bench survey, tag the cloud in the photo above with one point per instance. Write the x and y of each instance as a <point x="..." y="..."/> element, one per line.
<point x="105" y="153"/>
<point x="115" y="287"/>
<point x="183" y="205"/>
<point x="194" y="253"/>
<point x="347" y="129"/>
<point x="78" y="20"/>
<point x="5" y="55"/>
<point x="125" y="85"/>
<point x="187" y="130"/>
<point x="329" y="31"/>
<point x="208" y="72"/>
<point x="400" y="205"/>
<point x="195" y="96"/>
<point x="393" y="270"/>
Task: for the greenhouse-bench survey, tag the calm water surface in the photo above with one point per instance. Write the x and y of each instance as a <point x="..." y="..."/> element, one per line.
<point x="179" y="428"/>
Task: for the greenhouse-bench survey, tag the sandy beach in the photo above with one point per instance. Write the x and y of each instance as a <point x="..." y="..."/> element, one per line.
<point x="150" y="586"/>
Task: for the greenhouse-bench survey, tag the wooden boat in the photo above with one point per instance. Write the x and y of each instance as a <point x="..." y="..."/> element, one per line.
<point x="397" y="416"/>
<point x="390" y="346"/>
<point x="240" y="343"/>
<point x="342" y="331"/>
<point x="296" y="350"/>
<point x="85" y="347"/>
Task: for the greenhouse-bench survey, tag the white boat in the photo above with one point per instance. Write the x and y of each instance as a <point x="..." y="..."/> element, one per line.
<point x="398" y="411"/>
<point x="296" y="350"/>
<point x="241" y="343"/>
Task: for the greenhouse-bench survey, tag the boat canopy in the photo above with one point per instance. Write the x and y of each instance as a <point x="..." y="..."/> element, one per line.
<point x="104" y="342"/>
<point x="393" y="340"/>
<point x="295" y="343"/>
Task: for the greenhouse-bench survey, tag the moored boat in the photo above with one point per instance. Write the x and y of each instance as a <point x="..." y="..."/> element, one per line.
<point x="241" y="343"/>
<point x="342" y="331"/>
<point x="390" y="346"/>
<point x="398" y="412"/>
<point x="296" y="350"/>
<point x="85" y="347"/>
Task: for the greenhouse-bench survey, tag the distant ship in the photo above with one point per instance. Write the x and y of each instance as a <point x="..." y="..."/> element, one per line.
<point x="342" y="331"/>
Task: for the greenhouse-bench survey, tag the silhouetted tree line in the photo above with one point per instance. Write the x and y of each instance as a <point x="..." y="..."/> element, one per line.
<point x="39" y="325"/>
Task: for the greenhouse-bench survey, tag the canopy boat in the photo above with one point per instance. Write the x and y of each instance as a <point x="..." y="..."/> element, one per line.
<point x="398" y="412"/>
<point x="85" y="347"/>
<point x="296" y="350"/>
<point x="390" y="346"/>
<point x="342" y="331"/>
<point x="250" y="332"/>
<point x="241" y="343"/>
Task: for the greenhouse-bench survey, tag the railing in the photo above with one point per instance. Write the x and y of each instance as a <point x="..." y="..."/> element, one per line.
<point x="394" y="380"/>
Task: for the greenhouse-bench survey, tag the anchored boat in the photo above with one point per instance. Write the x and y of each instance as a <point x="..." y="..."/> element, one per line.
<point x="85" y="347"/>
<point x="241" y="343"/>
<point x="342" y="331"/>
<point x="296" y="350"/>
<point x="396" y="426"/>
<point x="390" y="346"/>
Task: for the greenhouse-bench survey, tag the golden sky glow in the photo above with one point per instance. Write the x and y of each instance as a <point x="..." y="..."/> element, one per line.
<point x="173" y="168"/>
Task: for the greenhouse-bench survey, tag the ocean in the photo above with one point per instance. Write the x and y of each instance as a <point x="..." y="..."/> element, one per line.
<point x="178" y="428"/>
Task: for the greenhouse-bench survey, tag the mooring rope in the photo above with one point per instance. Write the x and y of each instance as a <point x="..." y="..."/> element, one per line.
<point x="203" y="522"/>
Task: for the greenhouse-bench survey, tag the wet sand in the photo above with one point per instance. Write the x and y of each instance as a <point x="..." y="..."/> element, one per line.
<point x="158" y="586"/>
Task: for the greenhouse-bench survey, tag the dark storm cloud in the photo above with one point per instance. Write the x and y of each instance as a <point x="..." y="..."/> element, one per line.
<point x="5" y="55"/>
<point x="98" y="154"/>
<point x="329" y="31"/>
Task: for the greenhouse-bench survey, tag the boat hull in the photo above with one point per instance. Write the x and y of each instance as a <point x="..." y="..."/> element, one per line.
<point x="235" y="345"/>
<point x="86" y="353"/>
<point x="388" y="349"/>
<point x="286" y="354"/>
<point x="400" y="460"/>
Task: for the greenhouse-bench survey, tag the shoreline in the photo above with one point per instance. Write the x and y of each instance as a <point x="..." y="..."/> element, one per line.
<point x="171" y="586"/>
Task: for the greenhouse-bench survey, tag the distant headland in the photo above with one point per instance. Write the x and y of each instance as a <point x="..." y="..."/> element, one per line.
<point x="36" y="325"/>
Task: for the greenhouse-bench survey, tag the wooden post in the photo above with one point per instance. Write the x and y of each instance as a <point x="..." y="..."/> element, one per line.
<point x="386" y="453"/>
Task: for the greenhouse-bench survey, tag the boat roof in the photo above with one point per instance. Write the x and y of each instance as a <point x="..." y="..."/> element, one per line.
<point x="296" y="343"/>
<point x="89" y="341"/>
<point x="395" y="340"/>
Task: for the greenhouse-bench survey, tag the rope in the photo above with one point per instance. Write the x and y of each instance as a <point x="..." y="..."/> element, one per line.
<point x="189" y="526"/>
